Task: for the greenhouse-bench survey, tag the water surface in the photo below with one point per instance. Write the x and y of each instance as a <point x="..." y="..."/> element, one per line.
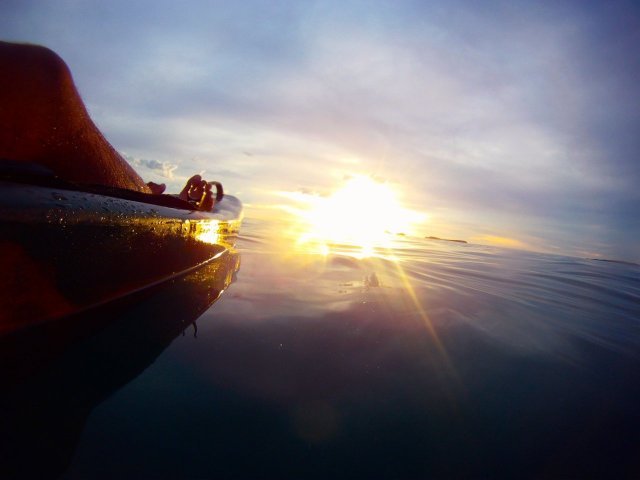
<point x="435" y="359"/>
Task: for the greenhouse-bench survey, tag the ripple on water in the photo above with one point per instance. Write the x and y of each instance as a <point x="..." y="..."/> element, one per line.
<point x="431" y="360"/>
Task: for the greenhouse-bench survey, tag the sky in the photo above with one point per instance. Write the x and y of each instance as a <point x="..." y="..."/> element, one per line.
<point x="508" y="122"/>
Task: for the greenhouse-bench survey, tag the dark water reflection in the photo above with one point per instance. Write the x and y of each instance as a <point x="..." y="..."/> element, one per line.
<point x="54" y="375"/>
<point x="457" y="361"/>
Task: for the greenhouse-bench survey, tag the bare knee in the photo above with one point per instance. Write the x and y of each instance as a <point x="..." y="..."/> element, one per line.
<point x="38" y="100"/>
<point x="32" y="70"/>
<point x="43" y="120"/>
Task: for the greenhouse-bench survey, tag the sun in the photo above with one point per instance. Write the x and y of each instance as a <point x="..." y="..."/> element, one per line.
<point x="363" y="213"/>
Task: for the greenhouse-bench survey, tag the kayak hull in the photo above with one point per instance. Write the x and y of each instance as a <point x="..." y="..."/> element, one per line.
<point x="55" y="374"/>
<point x="65" y="251"/>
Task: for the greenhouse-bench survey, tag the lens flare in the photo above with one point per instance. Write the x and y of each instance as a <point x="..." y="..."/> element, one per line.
<point x="364" y="214"/>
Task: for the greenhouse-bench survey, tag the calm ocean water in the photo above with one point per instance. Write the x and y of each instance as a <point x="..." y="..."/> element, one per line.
<point x="434" y="360"/>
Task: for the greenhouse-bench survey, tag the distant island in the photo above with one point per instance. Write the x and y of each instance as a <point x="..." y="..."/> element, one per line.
<point x="622" y="262"/>
<point x="446" y="239"/>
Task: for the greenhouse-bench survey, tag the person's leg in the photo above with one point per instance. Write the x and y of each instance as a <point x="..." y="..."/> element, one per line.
<point x="43" y="120"/>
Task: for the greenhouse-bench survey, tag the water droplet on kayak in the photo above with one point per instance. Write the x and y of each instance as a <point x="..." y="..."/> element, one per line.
<point x="58" y="196"/>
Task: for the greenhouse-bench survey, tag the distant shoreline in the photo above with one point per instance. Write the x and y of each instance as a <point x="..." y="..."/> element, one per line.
<point x="446" y="239"/>
<point x="623" y="262"/>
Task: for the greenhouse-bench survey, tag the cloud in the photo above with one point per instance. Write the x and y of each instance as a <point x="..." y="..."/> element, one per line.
<point x="164" y="169"/>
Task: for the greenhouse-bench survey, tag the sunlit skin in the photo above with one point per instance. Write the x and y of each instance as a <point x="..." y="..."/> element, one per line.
<point x="43" y="120"/>
<point x="362" y="214"/>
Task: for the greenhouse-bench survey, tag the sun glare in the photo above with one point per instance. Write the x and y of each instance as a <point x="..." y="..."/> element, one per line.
<point x="364" y="214"/>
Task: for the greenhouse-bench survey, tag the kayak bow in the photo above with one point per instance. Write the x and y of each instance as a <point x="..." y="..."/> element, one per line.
<point x="64" y="250"/>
